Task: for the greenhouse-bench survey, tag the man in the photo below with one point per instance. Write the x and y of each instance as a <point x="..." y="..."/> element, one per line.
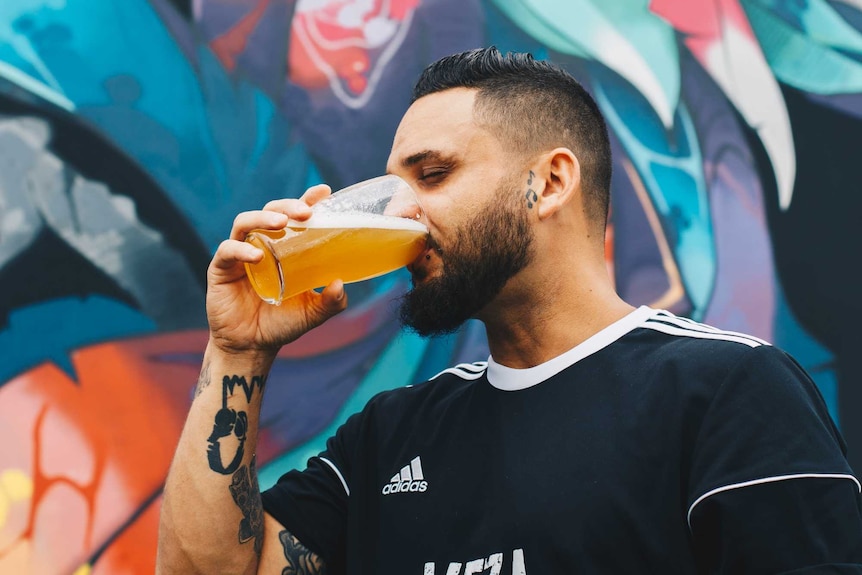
<point x="596" y="438"/>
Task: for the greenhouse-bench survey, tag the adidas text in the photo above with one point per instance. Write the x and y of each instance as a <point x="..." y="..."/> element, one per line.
<point x="405" y="487"/>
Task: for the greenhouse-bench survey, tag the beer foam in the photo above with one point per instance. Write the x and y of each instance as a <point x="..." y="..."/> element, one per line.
<point x="327" y="220"/>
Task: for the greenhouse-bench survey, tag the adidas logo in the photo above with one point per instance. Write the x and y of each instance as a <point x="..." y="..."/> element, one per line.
<point x="409" y="480"/>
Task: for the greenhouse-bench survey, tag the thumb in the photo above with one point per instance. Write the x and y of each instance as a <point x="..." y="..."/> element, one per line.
<point x="333" y="299"/>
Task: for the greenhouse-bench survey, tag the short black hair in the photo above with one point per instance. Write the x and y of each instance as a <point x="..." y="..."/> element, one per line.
<point x="533" y="106"/>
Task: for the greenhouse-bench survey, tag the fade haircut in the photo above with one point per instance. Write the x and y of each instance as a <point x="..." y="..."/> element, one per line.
<point x="532" y="106"/>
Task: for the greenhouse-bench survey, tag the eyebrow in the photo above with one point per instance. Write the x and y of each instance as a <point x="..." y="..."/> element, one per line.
<point x="424" y="156"/>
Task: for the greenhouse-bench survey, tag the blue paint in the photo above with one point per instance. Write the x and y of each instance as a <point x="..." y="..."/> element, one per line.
<point x="670" y="166"/>
<point x="51" y="330"/>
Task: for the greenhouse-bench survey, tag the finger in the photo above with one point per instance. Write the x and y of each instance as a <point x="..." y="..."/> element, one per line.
<point x="316" y="193"/>
<point x="334" y="298"/>
<point x="291" y="207"/>
<point x="232" y="252"/>
<point x="255" y="220"/>
<point x="300" y="209"/>
<point x="322" y="306"/>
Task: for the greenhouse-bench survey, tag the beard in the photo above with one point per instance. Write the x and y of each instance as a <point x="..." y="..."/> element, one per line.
<point x="487" y="251"/>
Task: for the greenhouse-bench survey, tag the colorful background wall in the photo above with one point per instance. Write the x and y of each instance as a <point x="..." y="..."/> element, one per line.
<point x="132" y="132"/>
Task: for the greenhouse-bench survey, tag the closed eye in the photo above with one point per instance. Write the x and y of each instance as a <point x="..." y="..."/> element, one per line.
<point x="432" y="176"/>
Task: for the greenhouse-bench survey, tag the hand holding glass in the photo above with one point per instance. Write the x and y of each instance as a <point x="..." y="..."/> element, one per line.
<point x="363" y="231"/>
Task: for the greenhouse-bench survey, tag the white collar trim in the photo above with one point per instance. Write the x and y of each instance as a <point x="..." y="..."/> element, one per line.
<point x="511" y="379"/>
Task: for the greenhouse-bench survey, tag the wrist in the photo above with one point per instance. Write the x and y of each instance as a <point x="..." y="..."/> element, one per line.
<point x="218" y="349"/>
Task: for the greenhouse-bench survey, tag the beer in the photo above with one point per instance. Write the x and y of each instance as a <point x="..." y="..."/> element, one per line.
<point x="329" y="246"/>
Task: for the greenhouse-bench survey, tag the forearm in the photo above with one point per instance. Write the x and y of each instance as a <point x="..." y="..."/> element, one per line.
<point x="211" y="518"/>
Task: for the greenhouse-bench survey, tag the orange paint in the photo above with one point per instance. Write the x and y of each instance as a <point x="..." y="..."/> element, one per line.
<point x="231" y="44"/>
<point x="94" y="449"/>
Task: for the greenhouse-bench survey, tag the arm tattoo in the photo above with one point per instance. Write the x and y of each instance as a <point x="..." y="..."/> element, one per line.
<point x="300" y="561"/>
<point x="246" y="493"/>
<point x="229" y="421"/>
<point x="203" y="379"/>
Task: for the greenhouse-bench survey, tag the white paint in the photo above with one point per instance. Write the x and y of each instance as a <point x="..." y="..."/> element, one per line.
<point x="739" y="67"/>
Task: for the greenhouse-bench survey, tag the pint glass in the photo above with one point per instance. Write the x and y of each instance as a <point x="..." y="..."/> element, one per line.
<point x="363" y="231"/>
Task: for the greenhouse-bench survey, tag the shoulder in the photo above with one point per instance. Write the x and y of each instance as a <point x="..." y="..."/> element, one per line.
<point x="698" y="363"/>
<point x="683" y="330"/>
<point x="690" y="345"/>
<point x="448" y="385"/>
<point x="706" y="347"/>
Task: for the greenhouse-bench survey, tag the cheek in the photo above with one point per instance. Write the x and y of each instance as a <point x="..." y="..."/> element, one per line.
<point x="452" y="207"/>
<point x="452" y="213"/>
<point x="441" y="215"/>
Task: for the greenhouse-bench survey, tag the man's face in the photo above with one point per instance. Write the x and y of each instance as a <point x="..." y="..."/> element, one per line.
<point x="480" y="234"/>
<point x="488" y="250"/>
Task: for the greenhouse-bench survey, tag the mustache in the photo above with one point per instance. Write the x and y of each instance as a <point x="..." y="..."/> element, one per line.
<point x="431" y="243"/>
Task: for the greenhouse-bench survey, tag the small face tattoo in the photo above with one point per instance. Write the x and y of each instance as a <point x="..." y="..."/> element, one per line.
<point x="530" y="196"/>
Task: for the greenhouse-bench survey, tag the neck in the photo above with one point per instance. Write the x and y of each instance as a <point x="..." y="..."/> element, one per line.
<point x="529" y="325"/>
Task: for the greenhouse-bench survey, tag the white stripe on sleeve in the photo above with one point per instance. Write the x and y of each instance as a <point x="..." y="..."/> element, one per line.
<point x="769" y="480"/>
<point x="338" y="473"/>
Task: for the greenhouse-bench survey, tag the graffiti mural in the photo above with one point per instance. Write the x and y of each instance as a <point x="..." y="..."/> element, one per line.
<point x="131" y="134"/>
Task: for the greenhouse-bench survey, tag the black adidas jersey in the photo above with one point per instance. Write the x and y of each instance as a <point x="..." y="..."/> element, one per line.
<point x="659" y="445"/>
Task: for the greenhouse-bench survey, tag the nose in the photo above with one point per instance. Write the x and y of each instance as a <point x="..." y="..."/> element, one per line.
<point x="405" y="204"/>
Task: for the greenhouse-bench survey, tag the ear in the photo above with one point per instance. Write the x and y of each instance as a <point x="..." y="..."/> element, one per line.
<point x="562" y="174"/>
